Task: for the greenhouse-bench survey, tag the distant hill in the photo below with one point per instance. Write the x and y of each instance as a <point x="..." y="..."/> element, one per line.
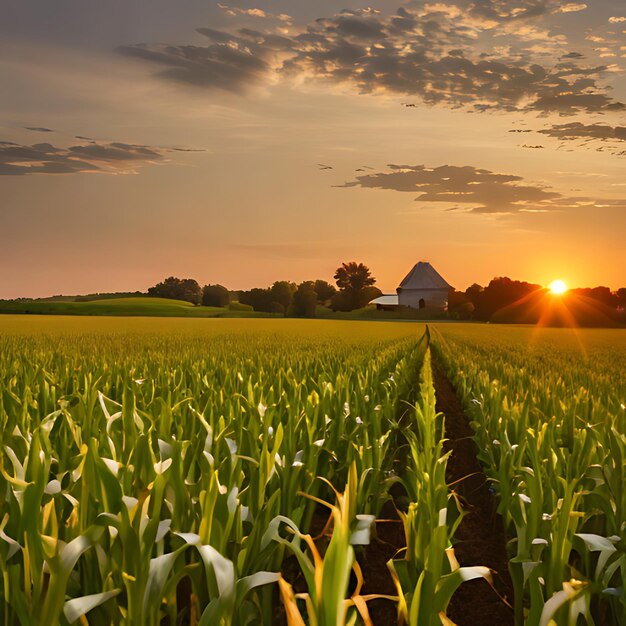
<point x="83" y="298"/>
<point x="133" y="306"/>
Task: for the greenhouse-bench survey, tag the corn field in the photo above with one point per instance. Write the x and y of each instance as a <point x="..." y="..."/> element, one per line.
<point x="169" y="472"/>
<point x="549" y="411"/>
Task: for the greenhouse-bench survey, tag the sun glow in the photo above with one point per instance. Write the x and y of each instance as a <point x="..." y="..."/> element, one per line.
<point x="557" y="287"/>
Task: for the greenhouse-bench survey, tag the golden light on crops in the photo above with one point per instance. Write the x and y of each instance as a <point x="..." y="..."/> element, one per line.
<point x="558" y="287"/>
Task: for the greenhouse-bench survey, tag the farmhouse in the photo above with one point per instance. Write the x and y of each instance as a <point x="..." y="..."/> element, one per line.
<point x="422" y="288"/>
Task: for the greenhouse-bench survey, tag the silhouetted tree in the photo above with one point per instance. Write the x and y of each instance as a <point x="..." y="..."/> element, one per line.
<point x="355" y="283"/>
<point x="349" y="300"/>
<point x="353" y="276"/>
<point x="599" y="294"/>
<point x="215" y="295"/>
<point x="473" y="293"/>
<point x="459" y="304"/>
<point x="186" y="289"/>
<point x="500" y="294"/>
<point x="324" y="290"/>
<point x="278" y="308"/>
<point x="282" y="292"/>
<point x="258" y="299"/>
<point x="304" y="300"/>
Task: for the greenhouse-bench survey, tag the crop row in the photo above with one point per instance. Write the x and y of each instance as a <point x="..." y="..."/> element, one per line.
<point x="549" y="423"/>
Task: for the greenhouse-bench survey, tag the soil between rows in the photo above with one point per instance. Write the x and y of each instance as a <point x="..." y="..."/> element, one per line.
<point x="480" y="538"/>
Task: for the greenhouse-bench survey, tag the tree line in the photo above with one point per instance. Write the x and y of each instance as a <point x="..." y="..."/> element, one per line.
<point x="502" y="300"/>
<point x="513" y="301"/>
<point x="354" y="289"/>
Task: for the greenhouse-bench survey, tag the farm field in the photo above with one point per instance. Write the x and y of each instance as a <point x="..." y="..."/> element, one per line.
<point x="229" y="471"/>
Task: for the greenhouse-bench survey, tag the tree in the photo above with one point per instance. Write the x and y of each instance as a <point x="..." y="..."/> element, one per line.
<point x="215" y="295"/>
<point x="304" y="300"/>
<point x="258" y="299"/>
<point x="353" y="276"/>
<point x="324" y="290"/>
<point x="349" y="300"/>
<point x="282" y="292"/>
<point x="473" y="293"/>
<point x="600" y="294"/>
<point x="503" y="296"/>
<point x="186" y="289"/>
<point x="355" y="282"/>
<point x="277" y="308"/>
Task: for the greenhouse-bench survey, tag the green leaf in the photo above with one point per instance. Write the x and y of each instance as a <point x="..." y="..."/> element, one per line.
<point x="77" y="607"/>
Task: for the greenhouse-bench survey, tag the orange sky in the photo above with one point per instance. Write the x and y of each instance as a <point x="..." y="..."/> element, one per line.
<point x="248" y="156"/>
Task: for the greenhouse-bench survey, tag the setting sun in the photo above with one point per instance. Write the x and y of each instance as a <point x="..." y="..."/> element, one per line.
<point x="558" y="287"/>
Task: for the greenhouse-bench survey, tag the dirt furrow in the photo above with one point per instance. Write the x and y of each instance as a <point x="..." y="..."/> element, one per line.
<point x="480" y="538"/>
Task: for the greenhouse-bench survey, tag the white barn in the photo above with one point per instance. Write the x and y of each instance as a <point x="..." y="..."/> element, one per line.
<point x="424" y="288"/>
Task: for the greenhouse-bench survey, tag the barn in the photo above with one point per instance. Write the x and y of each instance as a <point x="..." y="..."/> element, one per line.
<point x="424" y="288"/>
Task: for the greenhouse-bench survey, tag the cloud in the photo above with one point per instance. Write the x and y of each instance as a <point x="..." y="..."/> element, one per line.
<point x="39" y="129"/>
<point x="482" y="190"/>
<point x="577" y="130"/>
<point x="229" y="62"/>
<point x="430" y="52"/>
<point x="571" y="7"/>
<point x="486" y="191"/>
<point x="617" y="20"/>
<point x="45" y="158"/>
<point x="236" y="11"/>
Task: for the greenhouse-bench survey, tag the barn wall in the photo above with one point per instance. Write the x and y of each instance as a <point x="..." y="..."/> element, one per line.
<point x="434" y="299"/>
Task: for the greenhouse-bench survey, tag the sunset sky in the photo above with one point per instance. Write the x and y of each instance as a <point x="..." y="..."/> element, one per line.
<point x="244" y="142"/>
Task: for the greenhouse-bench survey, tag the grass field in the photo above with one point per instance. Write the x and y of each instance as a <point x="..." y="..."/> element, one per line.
<point x="164" y="307"/>
<point x="135" y="306"/>
<point x="231" y="471"/>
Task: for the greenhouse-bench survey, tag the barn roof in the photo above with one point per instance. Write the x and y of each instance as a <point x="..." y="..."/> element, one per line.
<point x="424" y="276"/>
<point x="386" y="300"/>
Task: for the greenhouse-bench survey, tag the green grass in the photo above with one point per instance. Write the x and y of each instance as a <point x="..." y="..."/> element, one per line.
<point x="142" y="306"/>
<point x="165" y="307"/>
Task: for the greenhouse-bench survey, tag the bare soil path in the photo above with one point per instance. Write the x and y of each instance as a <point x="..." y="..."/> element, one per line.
<point x="480" y="538"/>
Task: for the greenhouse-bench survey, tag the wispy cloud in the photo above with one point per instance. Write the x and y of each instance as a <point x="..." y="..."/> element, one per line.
<point x="600" y="137"/>
<point x="45" y="158"/>
<point x="578" y="130"/>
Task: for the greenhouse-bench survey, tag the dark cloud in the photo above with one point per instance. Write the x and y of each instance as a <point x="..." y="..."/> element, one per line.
<point x="519" y="10"/>
<point x="484" y="191"/>
<point x="228" y="62"/>
<point x="115" y="152"/>
<point x="39" y="129"/>
<point x="44" y="158"/>
<point x="428" y="52"/>
<point x="577" y="130"/>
